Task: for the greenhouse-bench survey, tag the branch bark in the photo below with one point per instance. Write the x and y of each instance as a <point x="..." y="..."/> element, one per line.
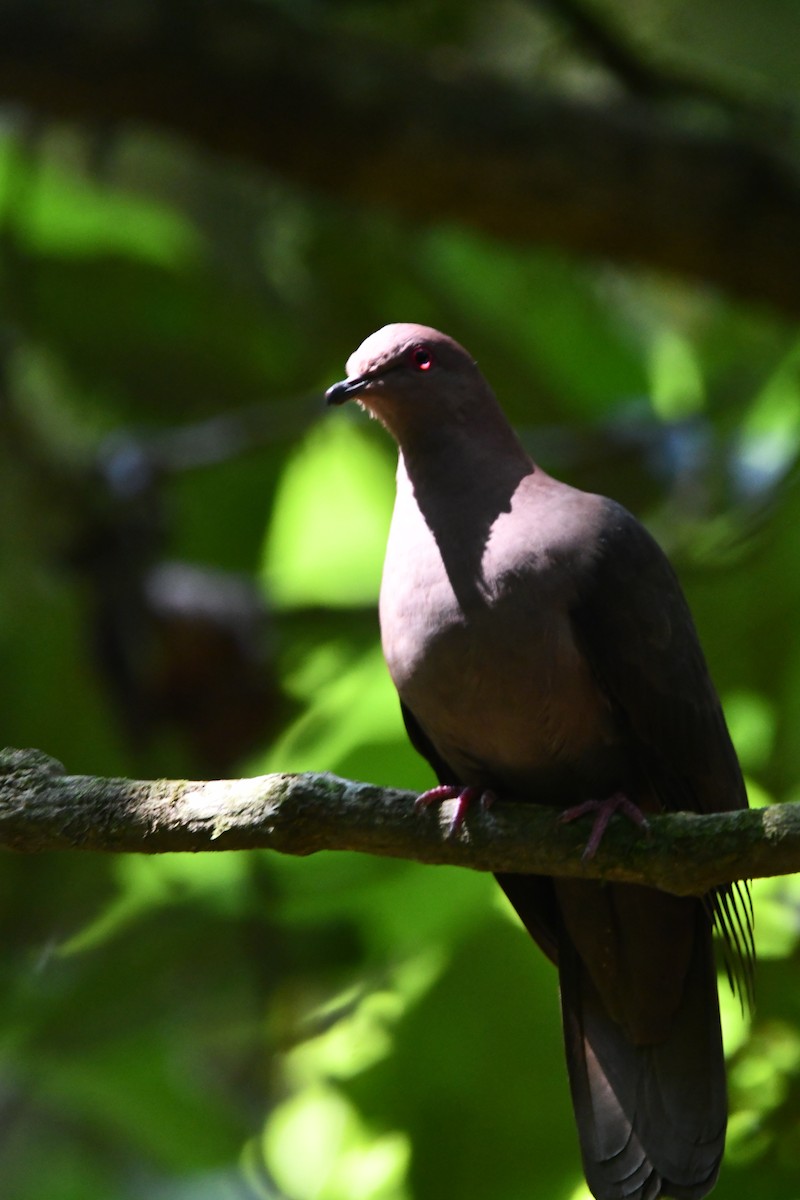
<point x="42" y="808"/>
<point x="376" y="127"/>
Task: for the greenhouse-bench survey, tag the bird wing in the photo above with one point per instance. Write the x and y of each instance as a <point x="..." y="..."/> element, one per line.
<point x="634" y="626"/>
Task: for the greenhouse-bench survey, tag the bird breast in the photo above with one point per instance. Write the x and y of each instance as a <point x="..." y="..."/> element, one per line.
<point x="492" y="673"/>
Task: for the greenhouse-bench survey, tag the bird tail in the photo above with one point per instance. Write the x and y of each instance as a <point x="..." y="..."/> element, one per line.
<point x="651" y="1117"/>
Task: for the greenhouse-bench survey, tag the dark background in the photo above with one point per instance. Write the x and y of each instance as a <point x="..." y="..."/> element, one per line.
<point x="204" y="207"/>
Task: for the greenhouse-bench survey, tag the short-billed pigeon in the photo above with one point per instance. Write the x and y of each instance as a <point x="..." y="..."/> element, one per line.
<point x="543" y="651"/>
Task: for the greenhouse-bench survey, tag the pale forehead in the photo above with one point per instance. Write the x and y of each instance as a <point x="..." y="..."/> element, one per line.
<point x="389" y="343"/>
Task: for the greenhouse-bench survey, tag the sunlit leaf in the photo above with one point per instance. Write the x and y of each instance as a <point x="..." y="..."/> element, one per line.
<point x="54" y="210"/>
<point x="319" y="1149"/>
<point x="331" y="516"/>
<point x="357" y="705"/>
<point x="777" y="904"/>
<point x="751" y="720"/>
<point x="770" y="435"/>
<point x="676" y="387"/>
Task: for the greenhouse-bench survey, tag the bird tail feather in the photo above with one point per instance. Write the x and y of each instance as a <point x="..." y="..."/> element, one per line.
<point x="651" y="1118"/>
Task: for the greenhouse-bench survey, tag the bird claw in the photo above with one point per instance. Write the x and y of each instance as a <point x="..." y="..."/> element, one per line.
<point x="603" y="811"/>
<point x="464" y="797"/>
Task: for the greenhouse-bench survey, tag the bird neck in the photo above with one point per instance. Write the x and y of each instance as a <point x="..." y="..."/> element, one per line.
<point x="448" y="466"/>
<point x="460" y="486"/>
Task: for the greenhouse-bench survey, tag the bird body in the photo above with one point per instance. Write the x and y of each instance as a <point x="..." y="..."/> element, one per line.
<point x="497" y="719"/>
<point x="542" y="649"/>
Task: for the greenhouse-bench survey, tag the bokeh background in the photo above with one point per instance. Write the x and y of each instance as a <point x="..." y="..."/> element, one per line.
<point x="204" y="207"/>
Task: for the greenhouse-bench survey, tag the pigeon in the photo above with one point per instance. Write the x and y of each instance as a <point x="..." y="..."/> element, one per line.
<point x="543" y="651"/>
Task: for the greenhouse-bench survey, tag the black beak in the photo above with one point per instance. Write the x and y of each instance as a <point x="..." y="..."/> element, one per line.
<point x="337" y="393"/>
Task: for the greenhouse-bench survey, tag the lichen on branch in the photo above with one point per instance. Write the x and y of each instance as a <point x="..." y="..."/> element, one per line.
<point x="43" y="808"/>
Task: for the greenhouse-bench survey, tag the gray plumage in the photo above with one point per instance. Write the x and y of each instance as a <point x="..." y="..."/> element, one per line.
<point x="542" y="648"/>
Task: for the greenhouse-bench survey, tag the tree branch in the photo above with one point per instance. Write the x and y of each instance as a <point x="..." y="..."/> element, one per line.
<point x="373" y="126"/>
<point x="42" y="808"/>
<point x="614" y="43"/>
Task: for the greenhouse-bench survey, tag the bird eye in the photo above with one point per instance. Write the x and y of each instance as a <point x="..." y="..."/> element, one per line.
<point x="421" y="358"/>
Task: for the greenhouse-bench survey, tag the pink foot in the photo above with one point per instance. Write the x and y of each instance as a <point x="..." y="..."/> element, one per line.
<point x="464" y="797"/>
<point x="604" y="810"/>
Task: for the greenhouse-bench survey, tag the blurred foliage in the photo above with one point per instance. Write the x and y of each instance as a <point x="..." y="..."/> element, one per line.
<point x="190" y="561"/>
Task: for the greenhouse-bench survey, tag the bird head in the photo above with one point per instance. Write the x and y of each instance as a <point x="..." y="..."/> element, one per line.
<point x="408" y="376"/>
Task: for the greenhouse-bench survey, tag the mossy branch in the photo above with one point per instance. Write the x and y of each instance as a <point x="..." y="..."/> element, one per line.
<point x="42" y="808"/>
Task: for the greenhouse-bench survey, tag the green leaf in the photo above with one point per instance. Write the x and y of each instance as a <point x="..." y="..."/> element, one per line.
<point x="328" y="530"/>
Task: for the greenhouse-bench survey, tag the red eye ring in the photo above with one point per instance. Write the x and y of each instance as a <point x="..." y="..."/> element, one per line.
<point x="421" y="358"/>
